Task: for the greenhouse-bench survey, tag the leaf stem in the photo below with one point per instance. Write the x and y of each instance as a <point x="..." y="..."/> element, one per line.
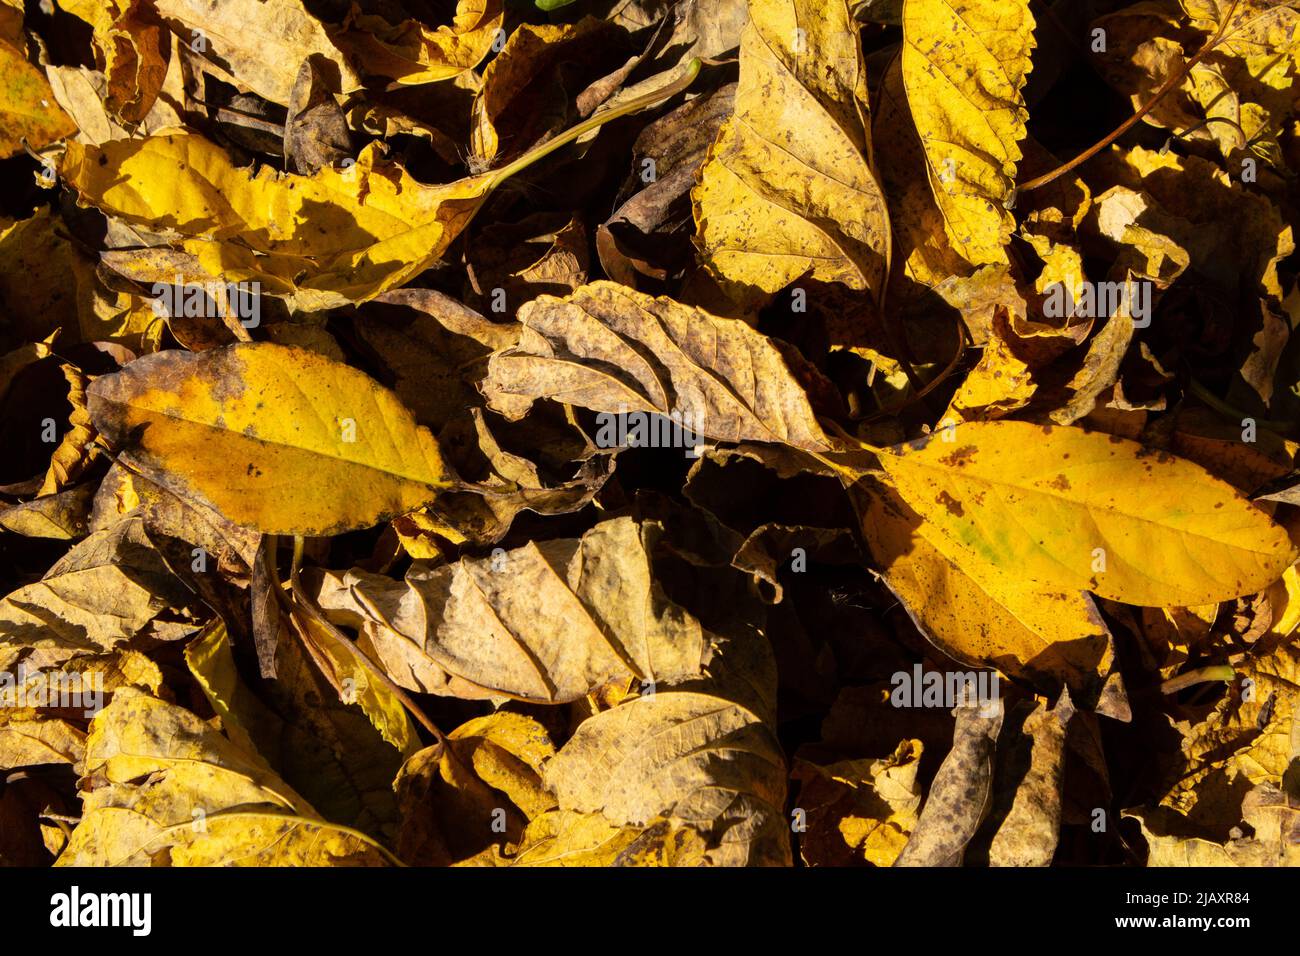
<point x="1129" y="123"/>
<point x="303" y="603"/>
<point x="653" y="98"/>
<point x="1202" y="675"/>
<point x="1223" y="408"/>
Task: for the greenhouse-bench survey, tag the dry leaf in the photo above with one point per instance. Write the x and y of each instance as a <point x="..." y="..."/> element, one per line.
<point x="788" y="190"/>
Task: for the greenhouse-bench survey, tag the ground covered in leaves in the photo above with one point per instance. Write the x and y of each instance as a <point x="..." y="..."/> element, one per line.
<point x="649" y="432"/>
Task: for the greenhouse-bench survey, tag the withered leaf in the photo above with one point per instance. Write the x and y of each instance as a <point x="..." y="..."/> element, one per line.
<point x="548" y="622"/>
<point x="720" y="377"/>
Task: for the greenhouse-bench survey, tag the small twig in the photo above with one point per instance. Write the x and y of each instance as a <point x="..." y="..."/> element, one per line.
<point x="1132" y="121"/>
<point x="1223" y="408"/>
<point x="933" y="384"/>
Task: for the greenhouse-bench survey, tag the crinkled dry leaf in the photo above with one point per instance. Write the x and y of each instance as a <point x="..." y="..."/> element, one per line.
<point x="549" y="622"/>
<point x="613" y="350"/>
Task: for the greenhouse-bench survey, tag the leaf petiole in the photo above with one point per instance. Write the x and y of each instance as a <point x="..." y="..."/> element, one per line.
<point x="653" y="98"/>
<point x="1132" y="121"/>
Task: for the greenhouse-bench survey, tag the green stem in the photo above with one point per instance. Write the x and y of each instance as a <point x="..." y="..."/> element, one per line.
<point x="1223" y="408"/>
<point x="1202" y="675"/>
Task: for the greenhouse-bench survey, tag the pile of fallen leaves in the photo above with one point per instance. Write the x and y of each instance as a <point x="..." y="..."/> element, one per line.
<point x="649" y="432"/>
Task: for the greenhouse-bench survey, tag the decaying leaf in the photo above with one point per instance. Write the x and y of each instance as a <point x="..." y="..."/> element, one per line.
<point x="26" y="102"/>
<point x="718" y="376"/>
<point x="959" y="798"/>
<point x="701" y="759"/>
<point x="547" y="622"/>
<point x="104" y="591"/>
<point x="859" y="810"/>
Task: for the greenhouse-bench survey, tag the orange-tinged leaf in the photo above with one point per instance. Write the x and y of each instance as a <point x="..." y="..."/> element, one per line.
<point x="276" y="438"/>
<point x="27" y="107"/>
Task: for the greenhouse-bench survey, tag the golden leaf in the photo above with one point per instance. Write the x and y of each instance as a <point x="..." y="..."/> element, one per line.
<point x="964" y="65"/>
<point x="1076" y="510"/>
<point x="412" y="53"/>
<point x="788" y="189"/>
<point x="293" y="443"/>
<point x="168" y="790"/>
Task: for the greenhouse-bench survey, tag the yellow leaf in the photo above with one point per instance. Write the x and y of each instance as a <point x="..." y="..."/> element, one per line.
<point x="1274" y="840"/>
<point x="983" y="615"/>
<point x="62" y="515"/>
<point x="1285" y="598"/>
<point x="342" y="235"/>
<point x="695" y="757"/>
<point x="376" y="699"/>
<point x="162" y="788"/>
<point x="413" y="53"/>
<point x="464" y="801"/>
<point x="1249" y="738"/>
<point x="1075" y="510"/>
<point x="565" y="838"/>
<point x="788" y="189"/>
<point x="27" y="107"/>
<point x="102" y="592"/>
<point x="328" y="751"/>
<point x="925" y="252"/>
<point x="76" y="449"/>
<point x="133" y="51"/>
<point x="209" y="659"/>
<point x="964" y="64"/>
<point x="29" y="738"/>
<point x="1001" y="382"/>
<point x="859" y="809"/>
<point x="529" y="60"/>
<point x="275" y="438"/>
<point x="260" y="43"/>
<point x="48" y="283"/>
